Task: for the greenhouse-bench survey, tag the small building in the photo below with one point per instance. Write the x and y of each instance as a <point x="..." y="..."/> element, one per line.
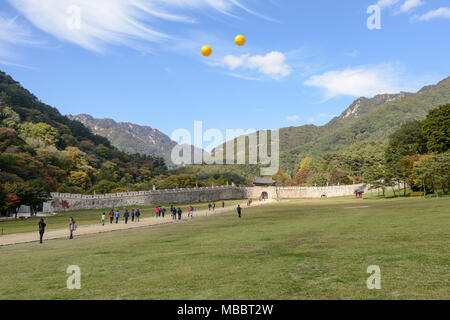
<point x="359" y="193"/>
<point x="264" y="182"/>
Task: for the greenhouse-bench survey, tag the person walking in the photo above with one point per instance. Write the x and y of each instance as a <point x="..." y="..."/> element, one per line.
<point x="223" y="204"/>
<point x="111" y="217"/>
<point x="138" y="214"/>
<point x="72" y="227"/>
<point x="126" y="215"/>
<point x="179" y="213"/>
<point x="209" y="206"/>
<point x="42" y="226"/>
<point x="174" y="213"/>
<point x="214" y="206"/>
<point x="117" y="216"/>
<point x="133" y="213"/>
<point x="103" y="219"/>
<point x="239" y="210"/>
<point x="163" y="212"/>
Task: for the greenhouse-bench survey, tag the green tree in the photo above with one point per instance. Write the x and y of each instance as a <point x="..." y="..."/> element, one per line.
<point x="104" y="186"/>
<point x="306" y="163"/>
<point x="80" y="179"/>
<point x="378" y="177"/>
<point x="3" y="199"/>
<point x="109" y="171"/>
<point x="436" y="129"/>
<point x="8" y="118"/>
<point x="32" y="193"/>
<point x="41" y="131"/>
<point x="424" y="170"/>
<point x="180" y="181"/>
<point x="443" y="171"/>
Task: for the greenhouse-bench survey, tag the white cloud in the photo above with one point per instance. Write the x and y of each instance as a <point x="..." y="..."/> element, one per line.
<point x="234" y="62"/>
<point x="443" y="13"/>
<point x="387" y="3"/>
<point x="410" y="4"/>
<point x="368" y="80"/>
<point x="13" y="33"/>
<point x="407" y="5"/>
<point x="272" y="64"/>
<point x="293" y="118"/>
<point x="117" y="22"/>
<point x="354" y="54"/>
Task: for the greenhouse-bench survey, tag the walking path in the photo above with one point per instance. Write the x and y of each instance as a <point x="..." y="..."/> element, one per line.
<point x="17" y="238"/>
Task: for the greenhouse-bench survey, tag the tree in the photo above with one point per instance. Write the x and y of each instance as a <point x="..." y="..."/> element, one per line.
<point x="104" y="187"/>
<point x="339" y="177"/>
<point x="378" y="177"/>
<point x="306" y="163"/>
<point x="41" y="131"/>
<point x="281" y="179"/>
<point x="180" y="181"/>
<point x="301" y="177"/>
<point x="406" y="166"/>
<point x="406" y="141"/>
<point x="32" y="193"/>
<point x="436" y="129"/>
<point x="13" y="204"/>
<point x="424" y="171"/>
<point x="443" y="171"/>
<point x="109" y="171"/>
<point x="80" y="179"/>
<point x="3" y="199"/>
<point x="8" y="117"/>
<point x="317" y="179"/>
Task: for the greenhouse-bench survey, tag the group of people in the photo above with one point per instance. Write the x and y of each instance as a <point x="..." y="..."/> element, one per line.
<point x="213" y="205"/>
<point x="135" y="216"/>
<point x="115" y="214"/>
<point x="42" y="225"/>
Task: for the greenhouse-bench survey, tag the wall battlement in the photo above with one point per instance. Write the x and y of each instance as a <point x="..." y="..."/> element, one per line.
<point x="195" y="195"/>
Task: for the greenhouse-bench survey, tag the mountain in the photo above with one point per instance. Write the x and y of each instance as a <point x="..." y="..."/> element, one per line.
<point x="129" y="137"/>
<point x="365" y="120"/>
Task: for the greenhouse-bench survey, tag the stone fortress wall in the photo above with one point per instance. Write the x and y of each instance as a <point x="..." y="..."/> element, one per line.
<point x="196" y="195"/>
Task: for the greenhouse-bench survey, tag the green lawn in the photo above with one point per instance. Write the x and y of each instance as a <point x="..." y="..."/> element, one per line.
<point x="302" y="249"/>
<point x="87" y="217"/>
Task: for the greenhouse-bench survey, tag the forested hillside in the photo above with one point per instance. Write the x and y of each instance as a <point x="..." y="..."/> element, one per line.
<point x="42" y="151"/>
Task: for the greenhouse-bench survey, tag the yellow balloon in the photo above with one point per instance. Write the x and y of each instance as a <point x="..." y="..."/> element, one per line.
<point x="206" y="51"/>
<point x="240" y="40"/>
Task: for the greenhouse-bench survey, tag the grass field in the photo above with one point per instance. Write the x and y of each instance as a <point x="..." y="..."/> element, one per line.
<point x="87" y="217"/>
<point x="302" y="249"/>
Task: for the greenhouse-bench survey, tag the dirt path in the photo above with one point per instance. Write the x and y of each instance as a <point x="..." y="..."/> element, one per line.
<point x="98" y="228"/>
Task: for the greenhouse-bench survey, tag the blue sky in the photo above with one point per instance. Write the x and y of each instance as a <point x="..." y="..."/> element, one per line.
<point x="139" y="61"/>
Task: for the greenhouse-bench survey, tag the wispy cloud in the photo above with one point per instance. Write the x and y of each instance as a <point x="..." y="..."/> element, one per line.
<point x="386" y="3"/>
<point x="117" y="22"/>
<point x="354" y="54"/>
<point x="273" y="64"/>
<point x="409" y="5"/>
<point x="293" y="118"/>
<point x="441" y="13"/>
<point x="12" y="34"/>
<point x="401" y="6"/>
<point x="366" y="80"/>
